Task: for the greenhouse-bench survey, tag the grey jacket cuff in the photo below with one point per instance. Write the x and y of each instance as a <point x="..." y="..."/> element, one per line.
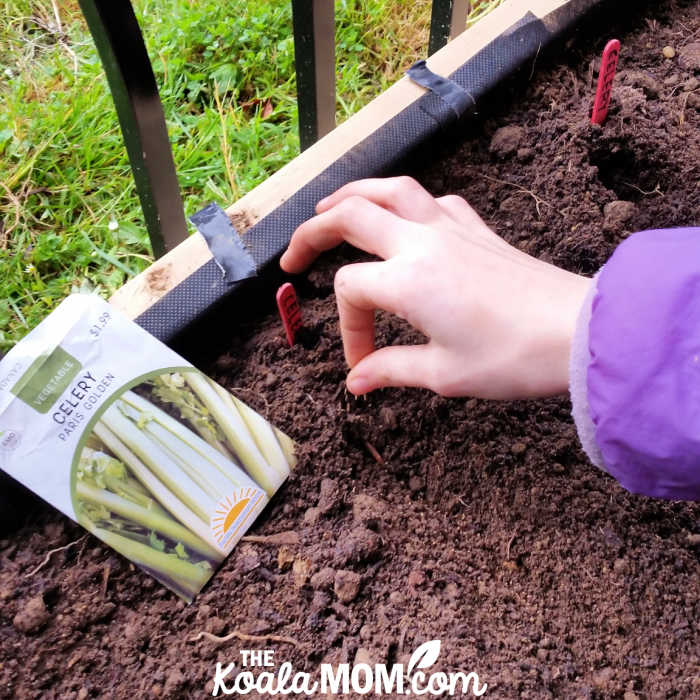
<point x="578" y="371"/>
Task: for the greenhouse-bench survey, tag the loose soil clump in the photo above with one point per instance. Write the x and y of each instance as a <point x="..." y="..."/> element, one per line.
<point x="413" y="517"/>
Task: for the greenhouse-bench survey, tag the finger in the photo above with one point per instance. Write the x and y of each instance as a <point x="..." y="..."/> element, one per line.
<point x="459" y="210"/>
<point x="469" y="222"/>
<point x="401" y="195"/>
<point x="355" y="220"/>
<point x="360" y="289"/>
<point x="398" y="365"/>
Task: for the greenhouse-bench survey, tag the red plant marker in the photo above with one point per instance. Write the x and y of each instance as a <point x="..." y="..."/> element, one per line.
<point x="608" y="64"/>
<point x="289" y="311"/>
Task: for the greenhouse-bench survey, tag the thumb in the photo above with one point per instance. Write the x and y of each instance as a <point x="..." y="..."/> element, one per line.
<point x="398" y="365"/>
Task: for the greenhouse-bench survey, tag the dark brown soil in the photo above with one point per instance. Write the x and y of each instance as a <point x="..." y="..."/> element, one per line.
<point x="477" y="523"/>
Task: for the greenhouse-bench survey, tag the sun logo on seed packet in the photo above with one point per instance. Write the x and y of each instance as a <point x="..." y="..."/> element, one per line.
<point x="233" y="513"/>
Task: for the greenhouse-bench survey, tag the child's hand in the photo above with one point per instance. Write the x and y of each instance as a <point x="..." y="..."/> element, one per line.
<point x="500" y="322"/>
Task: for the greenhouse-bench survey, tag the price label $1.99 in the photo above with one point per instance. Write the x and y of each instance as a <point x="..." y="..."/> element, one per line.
<point x="99" y="326"/>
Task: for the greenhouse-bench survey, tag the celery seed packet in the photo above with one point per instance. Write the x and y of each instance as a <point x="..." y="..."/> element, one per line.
<point x="120" y="433"/>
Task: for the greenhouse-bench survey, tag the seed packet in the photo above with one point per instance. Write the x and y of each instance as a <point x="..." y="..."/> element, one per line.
<point x="120" y="433"/>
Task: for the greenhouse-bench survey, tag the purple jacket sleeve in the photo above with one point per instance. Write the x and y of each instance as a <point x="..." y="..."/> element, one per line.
<point x="635" y="365"/>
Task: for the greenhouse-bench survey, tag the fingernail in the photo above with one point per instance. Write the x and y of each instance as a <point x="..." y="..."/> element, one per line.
<point x="321" y="203"/>
<point x="282" y="258"/>
<point x="358" y="385"/>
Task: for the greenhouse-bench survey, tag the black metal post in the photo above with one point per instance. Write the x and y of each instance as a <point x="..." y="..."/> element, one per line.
<point x="448" y="19"/>
<point x="120" y="44"/>
<point x="314" y="52"/>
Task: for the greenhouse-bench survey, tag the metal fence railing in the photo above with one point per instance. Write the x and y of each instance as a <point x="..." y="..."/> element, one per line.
<point x="121" y="47"/>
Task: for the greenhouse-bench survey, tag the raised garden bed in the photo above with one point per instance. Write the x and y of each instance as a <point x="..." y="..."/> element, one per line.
<point x="478" y="523"/>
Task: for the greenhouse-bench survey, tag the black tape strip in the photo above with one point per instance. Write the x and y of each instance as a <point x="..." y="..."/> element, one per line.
<point x="375" y="155"/>
<point x="454" y="95"/>
<point x="227" y="249"/>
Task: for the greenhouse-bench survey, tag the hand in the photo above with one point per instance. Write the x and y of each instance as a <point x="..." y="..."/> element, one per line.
<point x="499" y="322"/>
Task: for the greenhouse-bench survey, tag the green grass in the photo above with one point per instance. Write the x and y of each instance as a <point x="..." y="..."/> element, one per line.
<point x="69" y="215"/>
